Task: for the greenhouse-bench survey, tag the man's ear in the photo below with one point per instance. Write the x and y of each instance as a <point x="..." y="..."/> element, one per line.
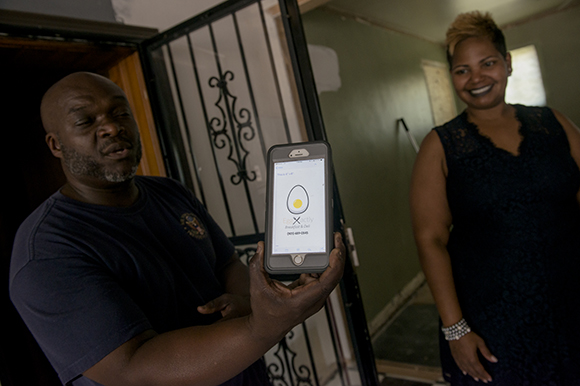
<point x="53" y="144"/>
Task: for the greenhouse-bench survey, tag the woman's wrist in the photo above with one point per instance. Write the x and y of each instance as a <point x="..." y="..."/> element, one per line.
<point x="456" y="331"/>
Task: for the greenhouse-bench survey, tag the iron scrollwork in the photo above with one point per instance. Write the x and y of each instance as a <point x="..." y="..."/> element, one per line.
<point x="284" y="372"/>
<point x="241" y="126"/>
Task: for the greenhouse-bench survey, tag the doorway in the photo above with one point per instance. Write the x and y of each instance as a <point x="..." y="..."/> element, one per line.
<point x="31" y="173"/>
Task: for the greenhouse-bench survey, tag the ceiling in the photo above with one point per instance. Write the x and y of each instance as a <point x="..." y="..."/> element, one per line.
<point x="429" y="19"/>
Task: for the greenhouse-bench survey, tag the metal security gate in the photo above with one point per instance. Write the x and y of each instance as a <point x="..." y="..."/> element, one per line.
<point x="225" y="86"/>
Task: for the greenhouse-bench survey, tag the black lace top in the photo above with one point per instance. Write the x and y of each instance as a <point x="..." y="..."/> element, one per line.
<point x="515" y="249"/>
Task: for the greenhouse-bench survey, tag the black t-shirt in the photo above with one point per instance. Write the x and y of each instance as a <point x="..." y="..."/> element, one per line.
<point x="87" y="278"/>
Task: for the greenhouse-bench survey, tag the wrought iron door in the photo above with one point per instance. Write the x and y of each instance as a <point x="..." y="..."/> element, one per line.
<point x="224" y="87"/>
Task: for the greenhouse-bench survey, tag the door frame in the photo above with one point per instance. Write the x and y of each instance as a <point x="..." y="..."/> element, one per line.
<point x="349" y="286"/>
<point x="22" y="362"/>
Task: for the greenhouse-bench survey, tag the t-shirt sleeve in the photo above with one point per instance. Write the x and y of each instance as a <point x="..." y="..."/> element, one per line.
<point x="76" y="311"/>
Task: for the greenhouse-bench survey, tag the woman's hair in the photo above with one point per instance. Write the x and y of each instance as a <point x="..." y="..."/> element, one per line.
<point x="474" y="24"/>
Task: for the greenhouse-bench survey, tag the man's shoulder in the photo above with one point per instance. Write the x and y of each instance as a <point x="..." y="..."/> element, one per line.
<point x="38" y="215"/>
<point x="165" y="189"/>
<point x="165" y="184"/>
<point x="25" y="240"/>
<point x="156" y="180"/>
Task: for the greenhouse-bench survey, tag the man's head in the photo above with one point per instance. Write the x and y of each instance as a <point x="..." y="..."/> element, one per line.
<point x="90" y="127"/>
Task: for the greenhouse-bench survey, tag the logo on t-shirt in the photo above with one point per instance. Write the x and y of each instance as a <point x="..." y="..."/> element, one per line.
<point x="193" y="226"/>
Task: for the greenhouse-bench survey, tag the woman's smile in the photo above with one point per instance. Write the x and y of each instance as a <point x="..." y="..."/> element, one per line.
<point x="481" y="90"/>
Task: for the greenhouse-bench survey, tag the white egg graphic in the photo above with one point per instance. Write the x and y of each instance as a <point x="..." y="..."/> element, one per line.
<point x="297" y="201"/>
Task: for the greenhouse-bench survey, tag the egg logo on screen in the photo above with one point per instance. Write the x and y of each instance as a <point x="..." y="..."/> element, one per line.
<point x="297" y="201"/>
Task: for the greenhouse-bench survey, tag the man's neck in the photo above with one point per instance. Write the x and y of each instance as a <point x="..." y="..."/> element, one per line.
<point x="119" y="195"/>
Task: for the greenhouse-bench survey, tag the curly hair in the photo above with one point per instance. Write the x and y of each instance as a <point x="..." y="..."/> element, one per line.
<point x="474" y="24"/>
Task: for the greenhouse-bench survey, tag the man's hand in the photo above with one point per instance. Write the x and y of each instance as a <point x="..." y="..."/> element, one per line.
<point x="276" y="307"/>
<point x="211" y="354"/>
<point x="464" y="351"/>
<point x="231" y="306"/>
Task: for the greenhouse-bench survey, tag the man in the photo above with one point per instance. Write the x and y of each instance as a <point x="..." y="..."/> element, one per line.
<point x="127" y="280"/>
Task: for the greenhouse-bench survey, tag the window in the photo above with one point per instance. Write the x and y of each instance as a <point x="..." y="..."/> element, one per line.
<point x="525" y="85"/>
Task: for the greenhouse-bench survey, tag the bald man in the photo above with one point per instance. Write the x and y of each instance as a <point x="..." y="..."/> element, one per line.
<point x="127" y="280"/>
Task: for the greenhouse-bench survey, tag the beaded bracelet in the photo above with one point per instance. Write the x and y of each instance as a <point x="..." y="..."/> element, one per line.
<point x="456" y="331"/>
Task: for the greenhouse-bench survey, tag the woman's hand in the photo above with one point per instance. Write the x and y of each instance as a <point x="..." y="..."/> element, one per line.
<point x="464" y="351"/>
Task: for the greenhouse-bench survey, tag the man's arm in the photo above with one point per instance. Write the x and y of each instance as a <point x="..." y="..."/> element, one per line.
<point x="235" y="302"/>
<point x="235" y="277"/>
<point x="210" y="355"/>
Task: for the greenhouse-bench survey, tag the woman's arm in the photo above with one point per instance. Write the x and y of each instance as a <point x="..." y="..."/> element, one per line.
<point x="431" y="219"/>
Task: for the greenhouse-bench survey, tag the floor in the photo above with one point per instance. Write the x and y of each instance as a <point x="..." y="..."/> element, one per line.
<point x="407" y="348"/>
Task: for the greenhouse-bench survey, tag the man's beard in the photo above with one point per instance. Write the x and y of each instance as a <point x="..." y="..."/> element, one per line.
<point x="84" y="165"/>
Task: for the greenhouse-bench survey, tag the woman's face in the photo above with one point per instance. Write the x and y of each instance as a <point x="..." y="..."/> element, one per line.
<point x="479" y="73"/>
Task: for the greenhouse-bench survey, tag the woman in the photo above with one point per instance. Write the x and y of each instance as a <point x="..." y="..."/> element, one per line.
<point x="495" y="204"/>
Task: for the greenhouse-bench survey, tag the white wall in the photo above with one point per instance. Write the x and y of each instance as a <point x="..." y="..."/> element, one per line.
<point x="162" y="14"/>
<point x="159" y="14"/>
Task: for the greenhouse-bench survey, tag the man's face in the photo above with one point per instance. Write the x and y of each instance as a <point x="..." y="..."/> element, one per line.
<point x="97" y="137"/>
<point x="85" y="165"/>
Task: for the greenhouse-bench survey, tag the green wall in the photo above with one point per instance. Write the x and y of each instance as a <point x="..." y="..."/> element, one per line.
<point x="557" y="40"/>
<point x="382" y="81"/>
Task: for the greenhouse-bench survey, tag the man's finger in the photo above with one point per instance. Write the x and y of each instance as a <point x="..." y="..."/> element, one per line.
<point x="304" y="278"/>
<point x="214" y="305"/>
<point x="333" y="273"/>
<point x="258" y="274"/>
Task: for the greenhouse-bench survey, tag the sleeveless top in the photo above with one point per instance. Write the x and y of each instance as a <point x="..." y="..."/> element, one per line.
<point x="515" y="249"/>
